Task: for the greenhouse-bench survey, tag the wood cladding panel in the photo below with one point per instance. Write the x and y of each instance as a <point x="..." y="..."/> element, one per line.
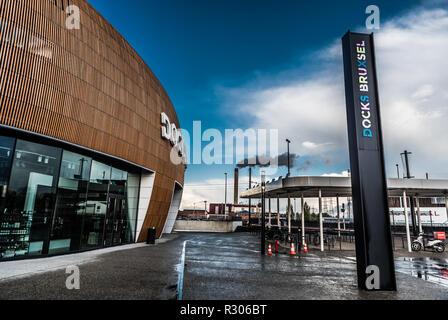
<point x="88" y="87"/>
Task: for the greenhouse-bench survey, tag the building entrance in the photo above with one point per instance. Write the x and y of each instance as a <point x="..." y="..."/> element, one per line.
<point x="116" y="221"/>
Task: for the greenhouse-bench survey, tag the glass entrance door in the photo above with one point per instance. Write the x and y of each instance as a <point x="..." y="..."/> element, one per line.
<point x="116" y="222"/>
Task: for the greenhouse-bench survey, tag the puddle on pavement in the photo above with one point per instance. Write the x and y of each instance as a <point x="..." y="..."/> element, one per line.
<point x="428" y="269"/>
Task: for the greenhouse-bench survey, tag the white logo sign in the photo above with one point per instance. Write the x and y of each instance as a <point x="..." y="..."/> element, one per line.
<point x="171" y="133"/>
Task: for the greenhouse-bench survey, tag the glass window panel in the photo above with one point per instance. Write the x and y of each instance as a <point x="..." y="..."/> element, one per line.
<point x="8" y="225"/>
<point x="118" y="182"/>
<point x="132" y="193"/>
<point x="70" y="203"/>
<point x="96" y="206"/>
<point x="100" y="172"/>
<point x="129" y="237"/>
<point x="119" y="175"/>
<point x="117" y="224"/>
<point x="31" y="197"/>
<point x="75" y="166"/>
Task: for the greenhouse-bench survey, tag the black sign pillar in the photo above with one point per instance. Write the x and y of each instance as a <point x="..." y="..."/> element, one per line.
<point x="370" y="198"/>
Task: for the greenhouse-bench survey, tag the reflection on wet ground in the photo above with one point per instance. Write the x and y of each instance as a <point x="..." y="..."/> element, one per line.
<point x="434" y="270"/>
<point x="229" y="266"/>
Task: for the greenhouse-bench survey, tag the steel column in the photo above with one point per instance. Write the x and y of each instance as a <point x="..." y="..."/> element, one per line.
<point x="278" y="213"/>
<point x="303" y="220"/>
<point x="419" y="215"/>
<point x="269" y="219"/>
<point x="406" y="219"/>
<point x="321" y="223"/>
<point x="339" y="216"/>
<point x="289" y="215"/>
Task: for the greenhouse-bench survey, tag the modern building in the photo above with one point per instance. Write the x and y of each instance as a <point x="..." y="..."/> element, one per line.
<point x="85" y="160"/>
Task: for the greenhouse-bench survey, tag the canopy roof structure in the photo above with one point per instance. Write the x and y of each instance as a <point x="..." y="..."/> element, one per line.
<point x="309" y="186"/>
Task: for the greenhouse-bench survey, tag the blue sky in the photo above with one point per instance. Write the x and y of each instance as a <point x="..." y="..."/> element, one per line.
<point x="222" y="62"/>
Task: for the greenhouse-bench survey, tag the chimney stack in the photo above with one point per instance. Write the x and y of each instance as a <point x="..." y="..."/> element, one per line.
<point x="235" y="187"/>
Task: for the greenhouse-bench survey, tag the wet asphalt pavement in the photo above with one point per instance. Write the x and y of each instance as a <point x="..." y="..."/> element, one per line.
<point x="227" y="267"/>
<point x="433" y="270"/>
<point x="232" y="268"/>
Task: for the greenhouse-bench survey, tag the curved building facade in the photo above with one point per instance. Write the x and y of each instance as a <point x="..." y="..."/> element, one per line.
<point x="84" y="156"/>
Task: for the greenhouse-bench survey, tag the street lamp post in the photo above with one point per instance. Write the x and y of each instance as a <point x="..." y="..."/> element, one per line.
<point x="263" y="218"/>
<point x="289" y="164"/>
<point x="250" y="187"/>
<point x="225" y="199"/>
<point x="289" y="199"/>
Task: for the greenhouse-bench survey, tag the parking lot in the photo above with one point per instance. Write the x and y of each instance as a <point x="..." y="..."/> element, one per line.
<point x="228" y="267"/>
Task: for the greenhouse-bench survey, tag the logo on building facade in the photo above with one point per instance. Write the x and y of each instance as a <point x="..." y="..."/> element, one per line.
<point x="172" y="134"/>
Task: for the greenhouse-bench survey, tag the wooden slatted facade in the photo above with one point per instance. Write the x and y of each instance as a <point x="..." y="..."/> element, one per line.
<point x="88" y="87"/>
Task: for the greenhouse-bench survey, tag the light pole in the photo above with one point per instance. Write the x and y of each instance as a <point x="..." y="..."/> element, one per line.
<point x="225" y="199"/>
<point x="263" y="218"/>
<point x="289" y="199"/>
<point x="289" y="165"/>
<point x="250" y="187"/>
<point x="406" y="159"/>
<point x="411" y="198"/>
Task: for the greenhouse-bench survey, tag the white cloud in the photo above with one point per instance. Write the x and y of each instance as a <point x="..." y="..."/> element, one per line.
<point x="341" y="174"/>
<point x="413" y="73"/>
<point x="424" y="92"/>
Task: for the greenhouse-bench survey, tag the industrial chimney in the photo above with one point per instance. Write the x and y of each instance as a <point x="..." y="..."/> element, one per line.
<point x="235" y="187"/>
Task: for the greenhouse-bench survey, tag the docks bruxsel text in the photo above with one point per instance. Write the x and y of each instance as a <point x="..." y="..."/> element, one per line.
<point x="363" y="80"/>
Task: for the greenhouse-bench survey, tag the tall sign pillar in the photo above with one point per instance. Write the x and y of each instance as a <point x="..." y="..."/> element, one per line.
<point x="370" y="199"/>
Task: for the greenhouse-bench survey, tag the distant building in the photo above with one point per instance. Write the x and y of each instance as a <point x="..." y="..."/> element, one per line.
<point x="235" y="210"/>
<point x="192" y="213"/>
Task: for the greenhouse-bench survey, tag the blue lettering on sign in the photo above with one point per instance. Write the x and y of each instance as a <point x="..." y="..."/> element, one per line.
<point x="363" y="81"/>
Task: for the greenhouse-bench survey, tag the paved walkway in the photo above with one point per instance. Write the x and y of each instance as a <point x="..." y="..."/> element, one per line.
<point x="131" y="272"/>
<point x="25" y="268"/>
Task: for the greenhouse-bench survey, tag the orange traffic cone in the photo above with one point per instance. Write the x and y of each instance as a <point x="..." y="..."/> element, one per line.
<point x="269" y="250"/>
<point x="293" y="250"/>
<point x="305" y="248"/>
